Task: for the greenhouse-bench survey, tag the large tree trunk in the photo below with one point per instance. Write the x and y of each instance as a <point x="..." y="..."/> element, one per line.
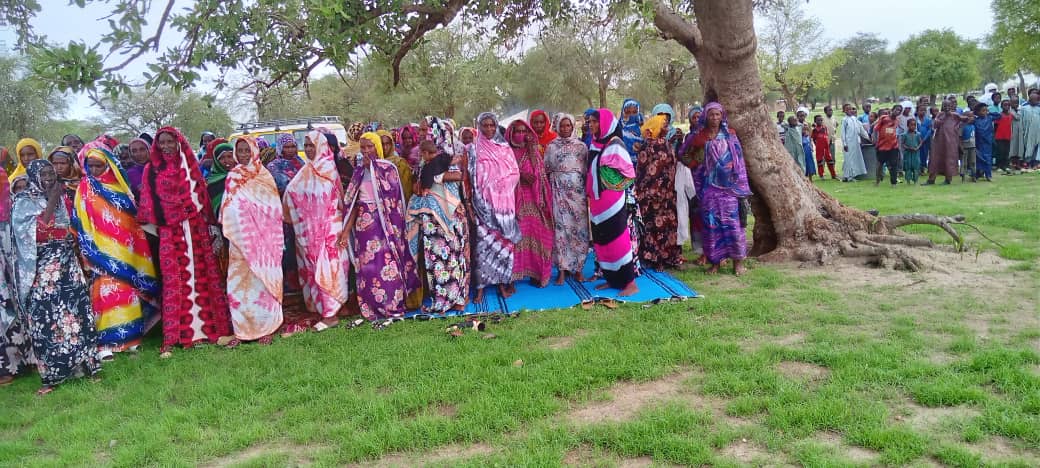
<point x="793" y="219"/>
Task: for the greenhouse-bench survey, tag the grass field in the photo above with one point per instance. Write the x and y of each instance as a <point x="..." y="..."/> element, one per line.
<point x="840" y="365"/>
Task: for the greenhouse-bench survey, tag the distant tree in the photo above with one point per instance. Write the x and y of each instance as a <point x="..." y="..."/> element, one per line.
<point x="793" y="57"/>
<point x="28" y="105"/>
<point x="661" y="72"/>
<point x="149" y="110"/>
<point x="1016" y="35"/>
<point x="991" y="67"/>
<point x="938" y="62"/>
<point x="866" y="70"/>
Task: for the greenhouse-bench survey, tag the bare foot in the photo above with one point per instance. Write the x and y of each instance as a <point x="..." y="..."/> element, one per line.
<point x="479" y="297"/>
<point x="714" y="270"/>
<point x="580" y="277"/>
<point x="44" y="390"/>
<point x="738" y="267"/>
<point x="560" y="278"/>
<point x="600" y="287"/>
<point x="459" y="307"/>
<point x="506" y="291"/>
<point x="6" y="380"/>
<point x="702" y="260"/>
<point x="629" y="290"/>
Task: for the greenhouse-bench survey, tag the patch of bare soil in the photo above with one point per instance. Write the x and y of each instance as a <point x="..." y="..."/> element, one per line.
<point x="558" y="343"/>
<point x="996" y="448"/>
<point x="746" y="452"/>
<point x="855" y="454"/>
<point x="299" y="455"/>
<point x="444" y="410"/>
<point x="629" y="398"/>
<point x="803" y="371"/>
<point x="923" y="417"/>
<point x="438" y="455"/>
<point x="586" y="455"/>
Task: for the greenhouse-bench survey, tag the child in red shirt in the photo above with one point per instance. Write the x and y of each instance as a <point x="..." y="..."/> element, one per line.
<point x="822" y="142"/>
<point x="1002" y="137"/>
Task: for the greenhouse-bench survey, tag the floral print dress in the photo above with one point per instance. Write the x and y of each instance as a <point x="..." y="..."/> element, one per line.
<point x="656" y="196"/>
<point x="565" y="163"/>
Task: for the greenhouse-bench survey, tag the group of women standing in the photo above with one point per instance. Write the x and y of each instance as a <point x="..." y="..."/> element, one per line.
<point x="99" y="247"/>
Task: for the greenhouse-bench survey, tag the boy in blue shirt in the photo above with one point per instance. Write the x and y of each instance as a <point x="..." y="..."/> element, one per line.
<point x="967" y="163"/>
<point x="984" y="135"/>
<point x="924" y="128"/>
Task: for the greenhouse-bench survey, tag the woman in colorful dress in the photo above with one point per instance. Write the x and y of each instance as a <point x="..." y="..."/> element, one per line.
<point x="174" y="199"/>
<point x="139" y="149"/>
<point x="312" y="201"/>
<point x="408" y="146"/>
<point x="632" y="125"/>
<point x="254" y="281"/>
<point x="124" y="285"/>
<point x="27" y="150"/>
<point x="283" y="168"/>
<point x="438" y="232"/>
<point x="724" y="184"/>
<point x="533" y="207"/>
<point x="565" y="162"/>
<point x="374" y="236"/>
<point x="655" y="193"/>
<point x="610" y="173"/>
<point x="51" y="288"/>
<point x="223" y="161"/>
<point x="354" y="140"/>
<point x="15" y="349"/>
<point x="494" y="177"/>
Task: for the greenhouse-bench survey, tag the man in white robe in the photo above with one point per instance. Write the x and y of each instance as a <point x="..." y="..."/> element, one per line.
<point x="851" y="132"/>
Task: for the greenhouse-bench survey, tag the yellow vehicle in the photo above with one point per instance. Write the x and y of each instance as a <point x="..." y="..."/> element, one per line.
<point x="297" y="127"/>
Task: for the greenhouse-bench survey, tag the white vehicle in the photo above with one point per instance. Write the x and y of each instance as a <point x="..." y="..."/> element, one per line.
<point x="297" y="127"/>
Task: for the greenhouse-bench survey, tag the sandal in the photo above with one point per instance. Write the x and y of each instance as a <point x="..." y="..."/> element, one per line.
<point x="355" y="324"/>
<point x="266" y="340"/>
<point x="44" y="390"/>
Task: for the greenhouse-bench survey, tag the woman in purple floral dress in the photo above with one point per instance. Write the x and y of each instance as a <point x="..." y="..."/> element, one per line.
<point x="374" y="235"/>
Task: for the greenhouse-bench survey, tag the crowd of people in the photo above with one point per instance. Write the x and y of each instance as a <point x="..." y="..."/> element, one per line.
<point x="101" y="241"/>
<point x="910" y="140"/>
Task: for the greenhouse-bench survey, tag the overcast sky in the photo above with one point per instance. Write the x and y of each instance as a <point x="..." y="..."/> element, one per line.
<point x="894" y="20"/>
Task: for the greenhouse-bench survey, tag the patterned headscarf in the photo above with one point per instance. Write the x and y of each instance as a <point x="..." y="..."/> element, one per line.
<point x="172" y="188"/>
<point x="632" y="125"/>
<point x="556" y="126"/>
<point x="729" y="175"/>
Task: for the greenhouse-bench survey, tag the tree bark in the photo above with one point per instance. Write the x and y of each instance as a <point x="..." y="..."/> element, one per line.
<point x="794" y="220"/>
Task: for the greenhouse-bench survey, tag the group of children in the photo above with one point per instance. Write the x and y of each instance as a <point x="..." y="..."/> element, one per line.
<point x="901" y="139"/>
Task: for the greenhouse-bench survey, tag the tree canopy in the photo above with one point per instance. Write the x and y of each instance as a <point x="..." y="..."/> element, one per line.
<point x="149" y="110"/>
<point x="792" y="58"/>
<point x="938" y="62"/>
<point x="28" y="105"/>
<point x="869" y="69"/>
<point x="1016" y="34"/>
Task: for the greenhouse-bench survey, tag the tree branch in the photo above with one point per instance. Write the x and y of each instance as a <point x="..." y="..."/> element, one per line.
<point x="675" y="27"/>
<point x="151" y="43"/>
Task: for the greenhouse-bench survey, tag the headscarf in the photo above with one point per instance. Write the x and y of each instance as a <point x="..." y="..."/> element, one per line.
<point x="19" y="170"/>
<point x="354" y="138"/>
<point x="585" y="135"/>
<point x="376" y="140"/>
<point x="211" y="146"/>
<point x="609" y="127"/>
<point x="666" y="110"/>
<point x="548" y="134"/>
<point x="110" y="238"/>
<point x="559" y="119"/>
<point x="522" y="145"/>
<point x="655" y="125"/>
<point x="631" y="131"/>
<point x="384" y="133"/>
<point x="172" y="188"/>
<point x="729" y="175"/>
<point x="495" y="168"/>
<point x="262" y="144"/>
<point x="74" y="168"/>
<point x="267" y="154"/>
<point x="202" y="138"/>
<point x="29" y="204"/>
<point x="218" y="174"/>
<point x="134" y="173"/>
<point x="411" y="153"/>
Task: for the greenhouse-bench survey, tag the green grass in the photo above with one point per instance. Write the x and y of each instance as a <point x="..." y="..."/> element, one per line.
<point x="348" y="396"/>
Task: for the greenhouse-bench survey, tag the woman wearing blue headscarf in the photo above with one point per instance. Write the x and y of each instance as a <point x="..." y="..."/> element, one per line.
<point x="632" y="125"/>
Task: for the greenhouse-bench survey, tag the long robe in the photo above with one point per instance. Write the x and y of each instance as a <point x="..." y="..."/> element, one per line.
<point x="851" y="132"/>
<point x="438" y="233"/>
<point x="946" y="141"/>
<point x="250" y="209"/>
<point x="1025" y="136"/>
<point x="378" y="249"/>
<point x="494" y="177"/>
<point x="124" y="288"/>
<point x="725" y="182"/>
<point x="534" y="213"/>
<point x="15" y="349"/>
<point x="656" y="196"/>
<point x="52" y="290"/>
<point x="312" y="203"/>
<point x="565" y="162"/>
<point x="174" y="198"/>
